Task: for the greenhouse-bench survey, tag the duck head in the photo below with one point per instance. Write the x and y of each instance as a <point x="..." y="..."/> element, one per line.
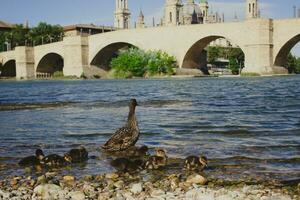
<point x="39" y="154"/>
<point x="133" y="103"/>
<point x="143" y="149"/>
<point x="203" y="160"/>
<point x="68" y="157"/>
<point x="161" y="153"/>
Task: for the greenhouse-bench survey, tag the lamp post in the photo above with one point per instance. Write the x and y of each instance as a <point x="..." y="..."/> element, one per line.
<point x="8" y="46"/>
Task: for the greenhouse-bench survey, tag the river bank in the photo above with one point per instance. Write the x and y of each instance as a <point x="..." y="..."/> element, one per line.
<point x="131" y="187"/>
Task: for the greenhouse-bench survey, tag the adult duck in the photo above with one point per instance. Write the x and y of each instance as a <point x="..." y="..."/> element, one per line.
<point x="126" y="136"/>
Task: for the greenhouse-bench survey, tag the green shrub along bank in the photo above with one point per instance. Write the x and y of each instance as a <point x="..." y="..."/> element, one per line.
<point x="138" y="63"/>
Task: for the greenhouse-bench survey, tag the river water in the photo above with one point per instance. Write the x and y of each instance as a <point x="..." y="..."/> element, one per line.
<point x="247" y="127"/>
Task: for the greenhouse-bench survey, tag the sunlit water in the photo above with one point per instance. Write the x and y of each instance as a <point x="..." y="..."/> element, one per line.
<point x="247" y="127"/>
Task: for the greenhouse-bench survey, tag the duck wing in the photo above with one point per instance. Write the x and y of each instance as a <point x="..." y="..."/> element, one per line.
<point x="123" y="139"/>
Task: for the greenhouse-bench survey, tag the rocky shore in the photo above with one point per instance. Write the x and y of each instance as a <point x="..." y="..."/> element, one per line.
<point x="52" y="186"/>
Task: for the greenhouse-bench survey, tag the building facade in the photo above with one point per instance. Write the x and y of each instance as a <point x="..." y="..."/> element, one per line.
<point x="178" y="13"/>
<point x="122" y="14"/>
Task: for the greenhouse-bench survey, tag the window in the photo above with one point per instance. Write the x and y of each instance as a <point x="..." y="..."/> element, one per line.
<point x="171" y="17"/>
<point x="249" y="7"/>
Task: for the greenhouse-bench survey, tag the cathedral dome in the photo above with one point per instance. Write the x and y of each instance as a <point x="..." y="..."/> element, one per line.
<point x="191" y="8"/>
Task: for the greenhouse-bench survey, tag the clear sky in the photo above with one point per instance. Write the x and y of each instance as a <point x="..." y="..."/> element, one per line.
<point x="66" y="12"/>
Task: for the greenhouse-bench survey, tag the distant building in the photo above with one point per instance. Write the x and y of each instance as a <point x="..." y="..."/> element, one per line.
<point x="122" y="14"/>
<point x="252" y="11"/>
<point x="178" y="13"/>
<point x="141" y="21"/>
<point x="4" y="26"/>
<point x="86" y="29"/>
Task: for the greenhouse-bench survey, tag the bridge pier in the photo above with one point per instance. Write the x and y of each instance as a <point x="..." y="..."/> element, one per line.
<point x="259" y="48"/>
<point x="24" y="62"/>
<point x="259" y="60"/>
<point x="76" y="55"/>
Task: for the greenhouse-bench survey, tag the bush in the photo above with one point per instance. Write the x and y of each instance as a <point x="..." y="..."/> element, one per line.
<point x="129" y="63"/>
<point x="138" y="63"/>
<point x="58" y="74"/>
<point x="248" y="74"/>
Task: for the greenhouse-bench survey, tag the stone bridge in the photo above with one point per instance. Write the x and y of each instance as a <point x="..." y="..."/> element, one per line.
<point x="265" y="43"/>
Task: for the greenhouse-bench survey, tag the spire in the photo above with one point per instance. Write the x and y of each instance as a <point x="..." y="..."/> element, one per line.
<point x="235" y="17"/>
<point x="141" y="20"/>
<point x="252" y="9"/>
<point x="122" y="14"/>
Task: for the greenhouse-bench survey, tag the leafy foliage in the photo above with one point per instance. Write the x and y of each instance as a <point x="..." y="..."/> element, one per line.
<point x="45" y="33"/>
<point x="234" y="66"/>
<point x="138" y="63"/>
<point x="293" y="64"/>
<point x="235" y="56"/>
<point x="21" y="36"/>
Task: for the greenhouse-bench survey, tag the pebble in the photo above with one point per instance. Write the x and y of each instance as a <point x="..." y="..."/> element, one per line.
<point x="69" y="178"/>
<point x="47" y="191"/>
<point x="196" y="179"/>
<point x="112" y="176"/>
<point x="41" y="180"/>
<point x="77" y="195"/>
<point x="157" y="193"/>
<point x="119" y="184"/>
<point x="136" y="188"/>
<point x="14" y="182"/>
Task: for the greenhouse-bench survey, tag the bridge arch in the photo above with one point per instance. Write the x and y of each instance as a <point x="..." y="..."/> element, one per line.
<point x="50" y="63"/>
<point x="8" y="69"/>
<point x="104" y="56"/>
<point x="195" y="57"/>
<point x="282" y="56"/>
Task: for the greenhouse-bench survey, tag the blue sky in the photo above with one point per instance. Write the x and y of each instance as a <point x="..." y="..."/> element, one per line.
<point x="66" y="12"/>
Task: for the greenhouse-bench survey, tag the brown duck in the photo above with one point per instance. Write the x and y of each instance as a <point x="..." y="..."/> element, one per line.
<point x="126" y="136"/>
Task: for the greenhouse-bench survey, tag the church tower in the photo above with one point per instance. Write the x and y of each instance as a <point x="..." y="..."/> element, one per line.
<point x="204" y="9"/>
<point x="122" y="14"/>
<point x="172" y="12"/>
<point x="252" y="9"/>
<point x="141" y="21"/>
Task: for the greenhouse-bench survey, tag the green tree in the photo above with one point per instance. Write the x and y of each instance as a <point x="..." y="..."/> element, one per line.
<point x="297" y="66"/>
<point x="213" y="54"/>
<point x="234" y="65"/>
<point x="18" y="36"/>
<point x="2" y="42"/>
<point x="291" y="63"/>
<point x="159" y="63"/>
<point x="129" y="63"/>
<point x="45" y="33"/>
<point x="138" y="63"/>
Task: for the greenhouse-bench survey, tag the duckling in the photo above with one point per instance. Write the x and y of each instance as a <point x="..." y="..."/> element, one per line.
<point x="127" y="165"/>
<point x="55" y="160"/>
<point x="76" y="155"/>
<point x="157" y="161"/>
<point x="126" y="136"/>
<point x="193" y="163"/>
<point x="133" y="152"/>
<point x="33" y="160"/>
